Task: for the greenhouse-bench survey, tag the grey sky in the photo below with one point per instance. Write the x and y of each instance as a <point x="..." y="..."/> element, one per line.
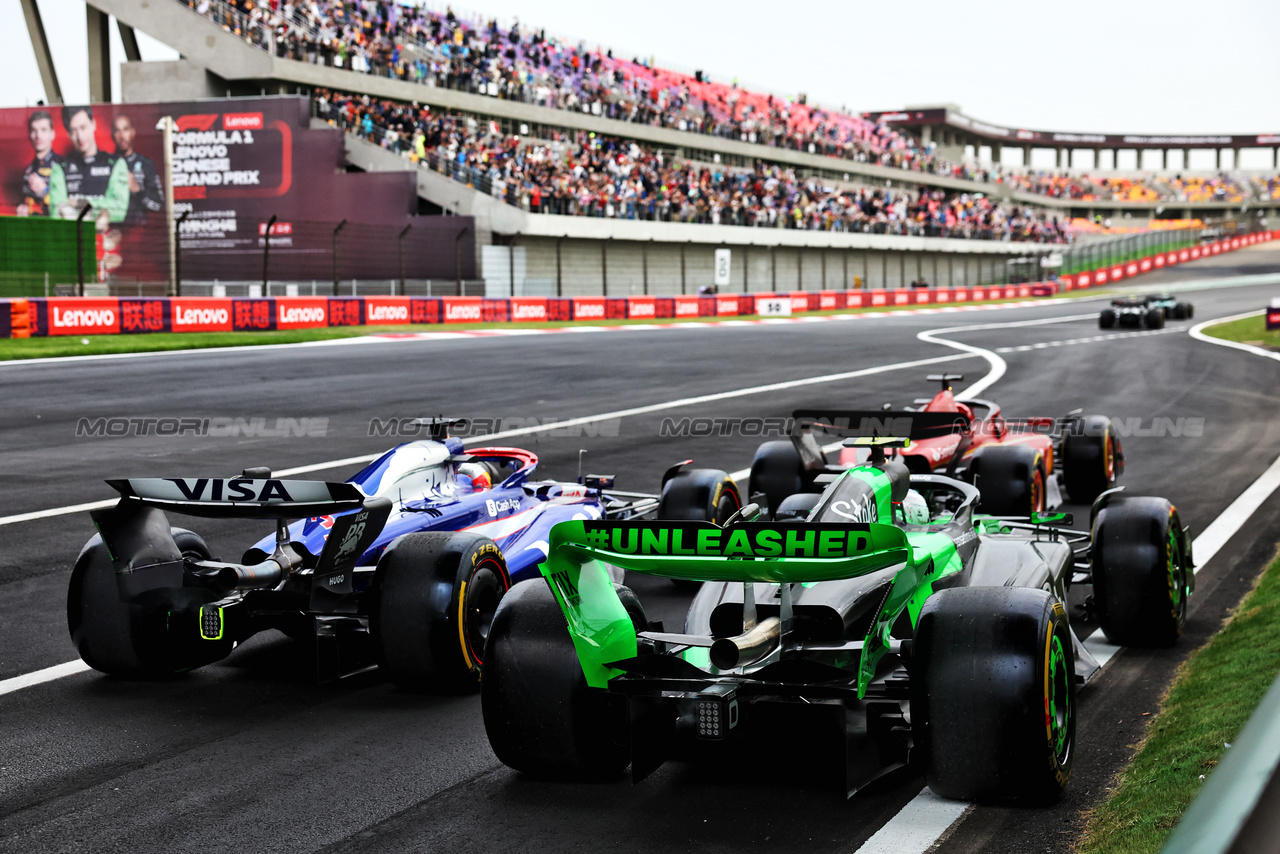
<point x="1088" y="65"/>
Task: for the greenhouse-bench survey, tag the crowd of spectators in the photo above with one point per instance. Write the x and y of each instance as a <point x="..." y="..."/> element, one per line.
<point x="590" y="175"/>
<point x="414" y="43"/>
<point x="417" y="44"/>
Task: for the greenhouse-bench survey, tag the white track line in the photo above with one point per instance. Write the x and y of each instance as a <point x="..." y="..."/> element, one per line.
<point x="1197" y="333"/>
<point x="919" y="825"/>
<point x="1069" y="342"/>
<point x="555" y="425"/>
<point x="998" y="365"/>
<point x="57" y="672"/>
<point x="916" y="827"/>
<point x="49" y="674"/>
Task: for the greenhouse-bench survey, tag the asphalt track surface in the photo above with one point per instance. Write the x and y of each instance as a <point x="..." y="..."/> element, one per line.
<point x="248" y="755"/>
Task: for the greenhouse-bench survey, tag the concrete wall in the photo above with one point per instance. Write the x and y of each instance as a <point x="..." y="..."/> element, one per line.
<point x="583" y="270"/>
<point x="178" y="80"/>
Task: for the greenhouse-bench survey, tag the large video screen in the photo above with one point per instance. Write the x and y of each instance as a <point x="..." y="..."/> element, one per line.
<point x="236" y="163"/>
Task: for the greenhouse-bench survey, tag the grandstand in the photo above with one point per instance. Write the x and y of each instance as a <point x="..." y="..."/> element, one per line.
<point x="563" y="153"/>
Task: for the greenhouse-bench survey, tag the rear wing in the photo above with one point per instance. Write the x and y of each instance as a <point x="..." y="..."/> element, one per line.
<point x="881" y="422"/>
<point x="746" y="552"/>
<point x="240" y="497"/>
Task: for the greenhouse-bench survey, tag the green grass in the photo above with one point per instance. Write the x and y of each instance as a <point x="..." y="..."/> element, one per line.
<point x="72" y="345"/>
<point x="1210" y="700"/>
<point x="1250" y="330"/>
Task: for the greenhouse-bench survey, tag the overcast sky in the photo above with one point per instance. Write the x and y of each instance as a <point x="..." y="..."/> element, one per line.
<point x="1088" y="65"/>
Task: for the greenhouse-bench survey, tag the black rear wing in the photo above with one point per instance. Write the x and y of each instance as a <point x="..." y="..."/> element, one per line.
<point x="241" y="497"/>
<point x="880" y="422"/>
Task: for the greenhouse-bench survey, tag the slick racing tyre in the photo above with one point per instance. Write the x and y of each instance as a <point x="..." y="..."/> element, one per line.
<point x="777" y="471"/>
<point x="699" y="495"/>
<point x="1154" y="319"/>
<point x="1142" y="575"/>
<point x="1011" y="479"/>
<point x="541" y="717"/>
<point x="1091" y="457"/>
<point x="151" y="632"/>
<point x="435" y="595"/>
<point x="1107" y="319"/>
<point x="993" y="704"/>
<point x="1188" y="310"/>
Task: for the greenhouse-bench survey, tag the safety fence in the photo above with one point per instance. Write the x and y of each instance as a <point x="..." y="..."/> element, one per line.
<point x="112" y="315"/>
<point x="1117" y="272"/>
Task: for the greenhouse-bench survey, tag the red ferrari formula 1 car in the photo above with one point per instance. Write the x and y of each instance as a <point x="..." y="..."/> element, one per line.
<point x="1019" y="465"/>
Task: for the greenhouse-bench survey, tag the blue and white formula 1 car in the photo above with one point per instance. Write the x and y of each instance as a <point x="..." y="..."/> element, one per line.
<point x="402" y="565"/>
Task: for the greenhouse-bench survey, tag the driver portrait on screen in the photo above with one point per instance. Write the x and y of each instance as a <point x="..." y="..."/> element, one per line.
<point x="35" y="178"/>
<point x="146" y="192"/>
<point x="88" y="174"/>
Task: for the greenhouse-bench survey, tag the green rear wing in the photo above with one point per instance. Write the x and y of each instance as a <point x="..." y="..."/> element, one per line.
<point x="602" y="631"/>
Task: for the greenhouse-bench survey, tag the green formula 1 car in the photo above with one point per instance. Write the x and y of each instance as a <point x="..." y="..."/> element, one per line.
<point x="891" y="627"/>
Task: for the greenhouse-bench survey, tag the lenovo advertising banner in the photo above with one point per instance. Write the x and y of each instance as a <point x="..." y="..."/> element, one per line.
<point x="236" y="163"/>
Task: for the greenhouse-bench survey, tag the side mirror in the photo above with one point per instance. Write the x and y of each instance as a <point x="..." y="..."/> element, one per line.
<point x="749" y="513"/>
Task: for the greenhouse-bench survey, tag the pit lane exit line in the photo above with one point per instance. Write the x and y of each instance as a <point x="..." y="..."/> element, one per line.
<point x="1042" y="345"/>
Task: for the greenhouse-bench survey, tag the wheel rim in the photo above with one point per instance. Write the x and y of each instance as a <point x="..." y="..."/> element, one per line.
<point x="480" y="602"/>
<point x="1037" y="492"/>
<point x="1177" y="581"/>
<point x="1109" y="457"/>
<point x="726" y="507"/>
<point x="1057" y="701"/>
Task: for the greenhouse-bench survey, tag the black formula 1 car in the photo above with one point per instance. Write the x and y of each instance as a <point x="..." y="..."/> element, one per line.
<point x="1173" y="309"/>
<point x="890" y="626"/>
<point x="1148" y="311"/>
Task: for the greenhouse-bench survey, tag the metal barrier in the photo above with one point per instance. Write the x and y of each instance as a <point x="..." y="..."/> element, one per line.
<point x="1238" y="811"/>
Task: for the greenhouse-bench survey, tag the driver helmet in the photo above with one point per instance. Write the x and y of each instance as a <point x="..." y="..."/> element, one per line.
<point x="915" y="510"/>
<point x="479" y="474"/>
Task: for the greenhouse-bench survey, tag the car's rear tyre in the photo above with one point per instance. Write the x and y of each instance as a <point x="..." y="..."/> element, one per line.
<point x="777" y="471"/>
<point x="1091" y="457"/>
<point x="541" y="717"/>
<point x="1107" y="319"/>
<point x="152" y="634"/>
<point x="1188" y="310"/>
<point x="1142" y="575"/>
<point x="1011" y="479"/>
<point x="699" y="495"/>
<point x="993" y="695"/>
<point x="435" y="596"/>
<point x="1154" y="319"/>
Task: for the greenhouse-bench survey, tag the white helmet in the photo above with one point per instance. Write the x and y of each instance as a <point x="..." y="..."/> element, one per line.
<point x="915" y="510"/>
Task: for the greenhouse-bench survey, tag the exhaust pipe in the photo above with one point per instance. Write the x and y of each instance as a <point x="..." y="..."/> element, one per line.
<point x="748" y="647"/>
<point x="267" y="574"/>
